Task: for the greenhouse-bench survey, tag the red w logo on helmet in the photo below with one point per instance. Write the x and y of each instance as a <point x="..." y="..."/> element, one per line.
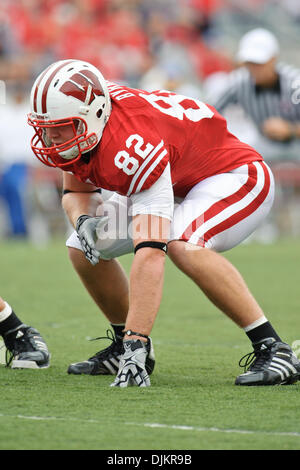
<point x="83" y="86"/>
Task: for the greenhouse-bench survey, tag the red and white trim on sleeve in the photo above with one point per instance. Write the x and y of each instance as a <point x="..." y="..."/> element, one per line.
<point x="146" y="169"/>
<point x="232" y="209"/>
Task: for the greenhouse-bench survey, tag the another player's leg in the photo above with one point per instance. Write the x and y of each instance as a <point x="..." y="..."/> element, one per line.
<point x="26" y="349"/>
<point x="107" y="284"/>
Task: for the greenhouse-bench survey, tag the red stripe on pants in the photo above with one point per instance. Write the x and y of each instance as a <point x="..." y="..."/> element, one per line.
<point x="243" y="213"/>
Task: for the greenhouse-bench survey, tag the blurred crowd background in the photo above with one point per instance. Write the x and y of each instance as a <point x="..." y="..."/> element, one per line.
<point x="188" y="46"/>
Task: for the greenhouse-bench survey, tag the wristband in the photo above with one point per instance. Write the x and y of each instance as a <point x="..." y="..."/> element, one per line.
<point x="151" y="244"/>
<point x="134" y="333"/>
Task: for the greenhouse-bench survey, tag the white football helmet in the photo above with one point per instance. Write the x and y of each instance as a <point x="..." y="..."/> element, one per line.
<point x="68" y="93"/>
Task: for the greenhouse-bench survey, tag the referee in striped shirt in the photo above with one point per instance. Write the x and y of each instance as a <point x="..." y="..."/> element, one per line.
<point x="269" y="93"/>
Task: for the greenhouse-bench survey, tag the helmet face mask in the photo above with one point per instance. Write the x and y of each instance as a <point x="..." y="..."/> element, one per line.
<point x="70" y="106"/>
<point x="60" y="154"/>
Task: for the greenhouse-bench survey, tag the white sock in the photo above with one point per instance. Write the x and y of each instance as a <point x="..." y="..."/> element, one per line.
<point x="4" y="314"/>
<point x="255" y="324"/>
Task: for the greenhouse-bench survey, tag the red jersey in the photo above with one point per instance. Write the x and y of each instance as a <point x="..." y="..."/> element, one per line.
<point x="146" y="130"/>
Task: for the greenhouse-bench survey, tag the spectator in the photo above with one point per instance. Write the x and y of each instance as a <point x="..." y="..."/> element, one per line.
<point x="265" y="89"/>
<point x="14" y="157"/>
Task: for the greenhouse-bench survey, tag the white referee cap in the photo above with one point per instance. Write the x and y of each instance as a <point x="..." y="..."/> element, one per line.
<point x="258" y="46"/>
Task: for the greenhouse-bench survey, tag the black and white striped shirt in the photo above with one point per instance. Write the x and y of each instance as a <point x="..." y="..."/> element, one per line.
<point x="282" y="100"/>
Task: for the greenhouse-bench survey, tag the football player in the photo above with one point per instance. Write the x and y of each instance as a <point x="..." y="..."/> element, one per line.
<point x="152" y="150"/>
<point x="25" y="347"/>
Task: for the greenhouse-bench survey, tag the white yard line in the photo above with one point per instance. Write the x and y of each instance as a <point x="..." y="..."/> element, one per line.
<point x="174" y="427"/>
<point x="203" y="429"/>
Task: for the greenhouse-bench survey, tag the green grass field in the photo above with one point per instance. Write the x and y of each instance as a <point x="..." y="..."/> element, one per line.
<point x="192" y="403"/>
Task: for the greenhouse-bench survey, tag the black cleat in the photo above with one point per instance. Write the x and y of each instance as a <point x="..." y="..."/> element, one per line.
<point x="26" y="349"/>
<point x="271" y="363"/>
<point x="106" y="361"/>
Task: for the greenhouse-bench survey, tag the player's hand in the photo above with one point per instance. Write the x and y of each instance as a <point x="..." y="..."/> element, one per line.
<point x="86" y="228"/>
<point x="278" y="129"/>
<point x="132" y="369"/>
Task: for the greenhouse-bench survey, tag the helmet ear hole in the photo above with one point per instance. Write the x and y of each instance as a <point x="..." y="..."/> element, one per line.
<point x="99" y="113"/>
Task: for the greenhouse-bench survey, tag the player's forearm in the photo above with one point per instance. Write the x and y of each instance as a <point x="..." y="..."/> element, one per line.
<point x="146" y="286"/>
<point x="77" y="203"/>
